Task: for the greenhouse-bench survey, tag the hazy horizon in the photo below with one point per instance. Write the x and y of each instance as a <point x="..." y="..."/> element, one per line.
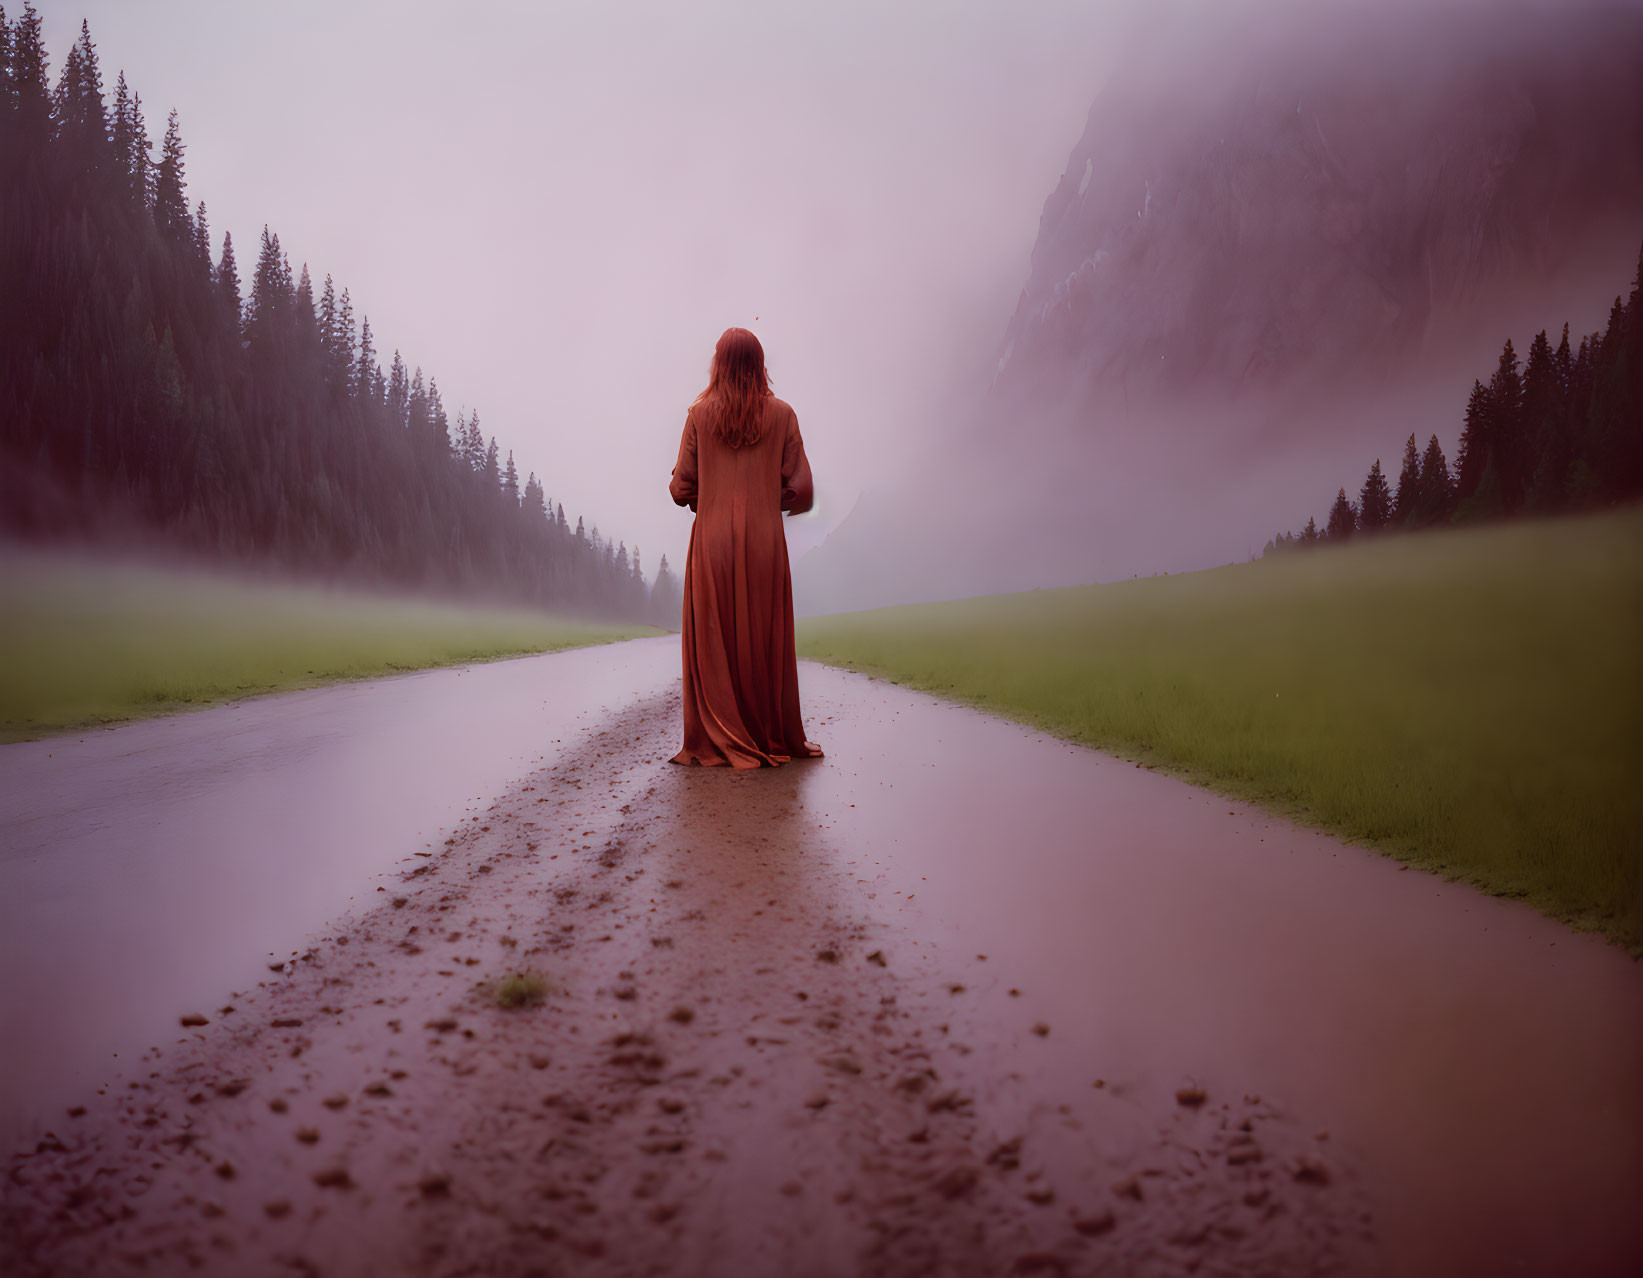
<point x="556" y="211"/>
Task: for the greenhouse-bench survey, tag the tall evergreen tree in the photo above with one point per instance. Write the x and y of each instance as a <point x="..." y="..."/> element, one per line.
<point x="416" y="409"/>
<point x="122" y="138"/>
<point x="366" y="373"/>
<point x="31" y="94"/>
<point x="140" y="157"/>
<point x="1407" y="499"/>
<point x="439" y="427"/>
<point x="202" y="240"/>
<point x="228" y="281"/>
<point x="82" y="121"/>
<point x="6" y="104"/>
<point x="1476" y="440"/>
<point x="327" y="324"/>
<point x="341" y="349"/>
<point x="170" y="199"/>
<point x="533" y="503"/>
<point x="1343" y="519"/>
<point x="1540" y="467"/>
<point x="510" y="483"/>
<point x="399" y="391"/>
<point x="1511" y="445"/>
<point x="1374" y="501"/>
<point x="1437" y="489"/>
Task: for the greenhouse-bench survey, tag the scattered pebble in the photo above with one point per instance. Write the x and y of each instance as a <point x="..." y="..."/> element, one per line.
<point x="1095" y="1224"/>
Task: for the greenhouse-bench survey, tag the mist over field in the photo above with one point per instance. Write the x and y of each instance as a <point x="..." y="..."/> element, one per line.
<point x="1061" y="292"/>
<point x="1287" y="238"/>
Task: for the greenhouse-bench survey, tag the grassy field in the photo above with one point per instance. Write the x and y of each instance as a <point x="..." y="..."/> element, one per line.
<point x="84" y="644"/>
<point x="1470" y="702"/>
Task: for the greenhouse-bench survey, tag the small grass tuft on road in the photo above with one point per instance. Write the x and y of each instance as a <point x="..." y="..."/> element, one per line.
<point x="85" y="643"/>
<point x="1470" y="702"/>
<point x="520" y="989"/>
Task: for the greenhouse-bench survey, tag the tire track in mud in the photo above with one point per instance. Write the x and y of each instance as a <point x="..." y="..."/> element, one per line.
<point x="738" y="1069"/>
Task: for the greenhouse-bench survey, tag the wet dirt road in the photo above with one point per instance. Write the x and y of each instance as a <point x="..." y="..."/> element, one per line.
<point x="772" y="1043"/>
<point x="155" y="865"/>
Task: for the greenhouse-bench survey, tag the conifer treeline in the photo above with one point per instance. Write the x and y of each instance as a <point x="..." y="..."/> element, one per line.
<point x="1563" y="431"/>
<point x="140" y="394"/>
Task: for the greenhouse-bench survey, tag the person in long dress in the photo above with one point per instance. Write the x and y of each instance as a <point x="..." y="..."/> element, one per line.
<point x="741" y="464"/>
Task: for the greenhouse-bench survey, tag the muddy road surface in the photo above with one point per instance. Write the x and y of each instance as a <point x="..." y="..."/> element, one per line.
<point x="956" y="999"/>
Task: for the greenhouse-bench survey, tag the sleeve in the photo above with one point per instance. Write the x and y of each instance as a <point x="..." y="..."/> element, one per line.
<point x="683" y="486"/>
<point x="798" y="489"/>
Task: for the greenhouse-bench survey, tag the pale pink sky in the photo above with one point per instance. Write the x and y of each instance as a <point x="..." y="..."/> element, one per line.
<point x="556" y="208"/>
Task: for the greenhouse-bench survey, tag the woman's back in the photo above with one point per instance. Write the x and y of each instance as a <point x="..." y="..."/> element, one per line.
<point x="740" y="465"/>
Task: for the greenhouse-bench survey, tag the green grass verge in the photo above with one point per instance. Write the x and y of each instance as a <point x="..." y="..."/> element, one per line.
<point x="1470" y="702"/>
<point x="84" y="644"/>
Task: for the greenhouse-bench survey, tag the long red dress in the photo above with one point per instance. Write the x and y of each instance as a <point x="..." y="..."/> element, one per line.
<point x="741" y="674"/>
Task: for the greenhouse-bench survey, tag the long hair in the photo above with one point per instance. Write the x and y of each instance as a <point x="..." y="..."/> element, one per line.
<point x="737" y="389"/>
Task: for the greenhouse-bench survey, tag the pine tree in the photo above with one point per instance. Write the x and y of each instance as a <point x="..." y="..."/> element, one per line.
<point x="1407" y="499"/>
<point x="1437" y="490"/>
<point x="416" y="408"/>
<point x="1374" y="501"/>
<point x="1476" y="440"/>
<point x="306" y="322"/>
<point x="31" y="96"/>
<point x="327" y="323"/>
<point x="341" y="349"/>
<point x="1540" y="466"/>
<point x="202" y="240"/>
<point x="269" y="299"/>
<point x="140" y="158"/>
<point x="491" y="470"/>
<point x="1343" y="519"/>
<point x="1510" y="443"/>
<point x="510" y="481"/>
<point x="170" y="201"/>
<point x="123" y="137"/>
<point x="366" y="372"/>
<point x="82" y="121"/>
<point x="439" y="427"/>
<point x="228" y="281"/>
<point x="5" y="65"/>
<point x="1310" y="536"/>
<point x="399" y="391"/>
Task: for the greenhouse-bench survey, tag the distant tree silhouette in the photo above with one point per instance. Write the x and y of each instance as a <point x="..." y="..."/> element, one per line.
<point x="1564" y="433"/>
<point x="1436" y="500"/>
<point x="510" y="482"/>
<point x="666" y="597"/>
<point x="1374" y="501"/>
<point x="1406" y="500"/>
<point x="1477" y="439"/>
<point x="1343" y="519"/>
<point x="148" y="393"/>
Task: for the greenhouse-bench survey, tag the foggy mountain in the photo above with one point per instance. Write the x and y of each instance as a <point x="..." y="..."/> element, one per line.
<point x="1272" y="255"/>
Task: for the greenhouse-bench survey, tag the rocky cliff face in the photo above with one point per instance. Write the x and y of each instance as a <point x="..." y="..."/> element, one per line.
<point x="1345" y="193"/>
<point x="1272" y="256"/>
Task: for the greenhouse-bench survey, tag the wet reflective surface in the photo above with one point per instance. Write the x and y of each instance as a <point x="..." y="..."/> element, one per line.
<point x="1468" y="1065"/>
<point x="147" y="870"/>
